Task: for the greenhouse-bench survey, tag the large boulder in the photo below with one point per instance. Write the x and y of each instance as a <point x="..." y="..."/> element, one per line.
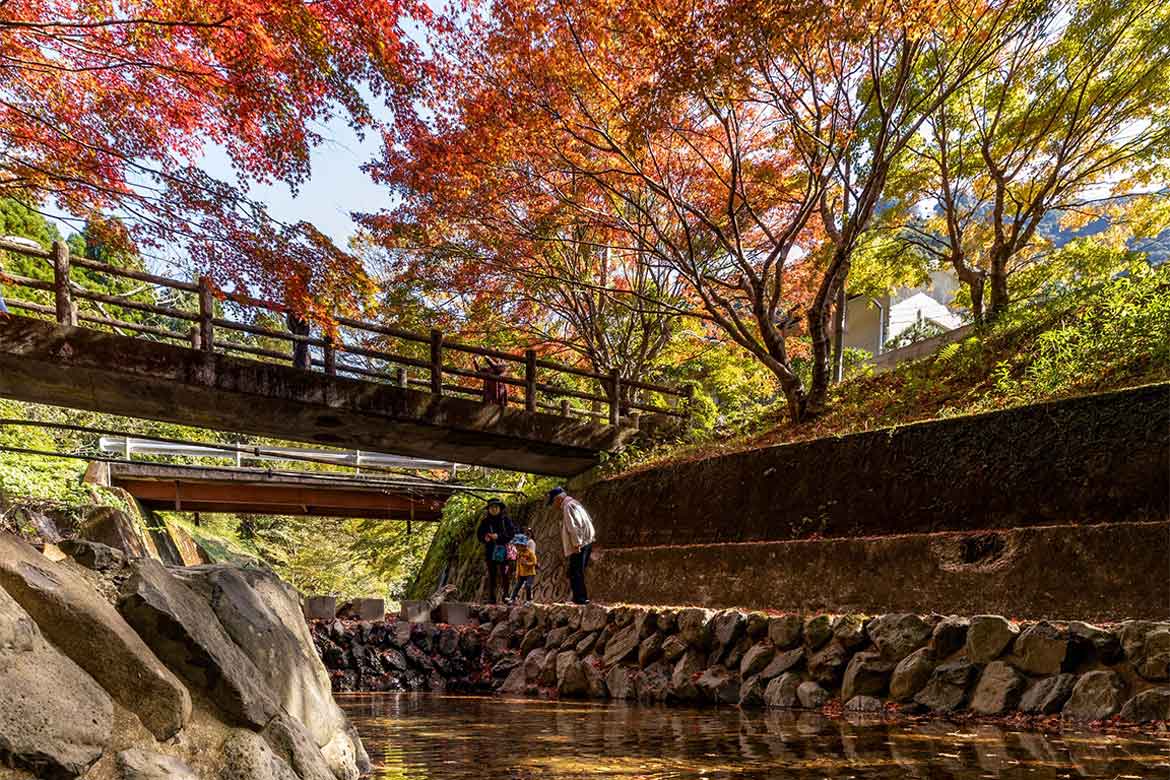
<point x="289" y="739"/>
<point x="594" y="679"/>
<point x="726" y="629"/>
<point x="571" y="680"/>
<point x="650" y="650"/>
<point x="912" y="674"/>
<point x="246" y="756"/>
<point x="261" y="614"/>
<point x="988" y="637"/>
<point x="1104" y="643"/>
<point x="115" y="528"/>
<point x="947" y="689"/>
<point x="652" y="684"/>
<point x="785" y="631"/>
<point x="694" y="626"/>
<point x="719" y="685"/>
<point x="898" y="635"/>
<point x="756" y="659"/>
<point x="54" y="719"/>
<point x="782" y="662"/>
<point x="828" y="664"/>
<point x="622" y="645"/>
<point x="1041" y="649"/>
<point x="849" y="630"/>
<point x="686" y="671"/>
<point x="818" y="630"/>
<point x="93" y="555"/>
<point x="1097" y="696"/>
<point x="673" y="648"/>
<point x="949" y="636"/>
<point x="619" y="682"/>
<point x="812" y="696"/>
<point x="999" y="689"/>
<point x="185" y="633"/>
<point x="73" y="616"/>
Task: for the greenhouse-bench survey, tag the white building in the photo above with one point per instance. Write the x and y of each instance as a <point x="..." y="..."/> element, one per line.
<point x="871" y="323"/>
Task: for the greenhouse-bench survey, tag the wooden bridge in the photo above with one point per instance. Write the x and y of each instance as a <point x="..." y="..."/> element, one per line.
<point x="363" y="386"/>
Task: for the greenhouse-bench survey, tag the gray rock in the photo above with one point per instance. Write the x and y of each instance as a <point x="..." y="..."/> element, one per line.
<point x="912" y="674"/>
<point x="998" y="690"/>
<point x="646" y="620"/>
<point x="570" y="678"/>
<point x="949" y="636"/>
<point x="757" y="625"/>
<point x="586" y="645"/>
<point x="719" y="685"/>
<point x="1148" y="706"/>
<point x="736" y="652"/>
<point x="555" y="638"/>
<point x="652" y="683"/>
<point x="139" y="764"/>
<point x="827" y="665"/>
<point x="650" y="650"/>
<point x="185" y="633"/>
<point x="756" y="659"/>
<point x="989" y="637"/>
<point x="533" y="663"/>
<point x="593" y="617"/>
<point x="547" y="678"/>
<point x="619" y="682"/>
<point x="1105" y="645"/>
<point x="1147" y="646"/>
<point x="686" y="671"/>
<point x="114" y="528"/>
<point x="289" y="739"/>
<point x="868" y="674"/>
<point x="515" y="684"/>
<point x="1041" y="649"/>
<point x="533" y="639"/>
<point x="246" y="756"/>
<point x="594" y="680"/>
<point x="947" y="689"/>
<point x="694" y="626"/>
<point x="817" y="631"/>
<point x="781" y="692"/>
<point x="812" y="696"/>
<point x="673" y="648"/>
<point x="499" y="640"/>
<point x="785" y="631"/>
<point x="93" y="555"/>
<point x="867" y="704"/>
<point x="782" y="662"/>
<point x="83" y="625"/>
<point x="261" y="614"/>
<point x="448" y="641"/>
<point x="54" y="719"/>
<point x="898" y="635"/>
<point x="668" y="621"/>
<point x="751" y="693"/>
<point x="1096" y="696"/>
<point x="1048" y="696"/>
<point x="622" y="645"/>
<point x="849" y="630"/>
<point x="726" y="628"/>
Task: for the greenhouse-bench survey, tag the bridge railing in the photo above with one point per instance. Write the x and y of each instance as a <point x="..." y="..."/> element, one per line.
<point x="356" y="348"/>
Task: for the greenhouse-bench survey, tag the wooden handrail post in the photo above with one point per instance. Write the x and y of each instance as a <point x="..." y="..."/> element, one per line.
<point x="564" y="407"/>
<point x="530" y="380"/>
<point x="66" y="314"/>
<point x="687" y="398"/>
<point x="615" y="401"/>
<point x="401" y="377"/>
<point x="193" y="337"/>
<point x="206" y="313"/>
<point x="330" y="356"/>
<point x="436" y="362"/>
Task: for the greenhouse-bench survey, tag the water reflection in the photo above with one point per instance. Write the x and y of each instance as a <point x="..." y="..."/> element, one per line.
<point x="420" y="737"/>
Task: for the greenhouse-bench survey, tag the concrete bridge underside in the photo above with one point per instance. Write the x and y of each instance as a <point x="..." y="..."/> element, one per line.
<point x="75" y="367"/>
<point x="168" y="487"/>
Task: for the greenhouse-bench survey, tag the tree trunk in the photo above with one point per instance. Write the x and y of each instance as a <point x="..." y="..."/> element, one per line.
<point x="976" y="282"/>
<point x="839" y="336"/>
<point x="999" y="285"/>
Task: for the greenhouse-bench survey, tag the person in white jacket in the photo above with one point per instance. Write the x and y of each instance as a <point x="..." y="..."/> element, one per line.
<point x="577" y="537"/>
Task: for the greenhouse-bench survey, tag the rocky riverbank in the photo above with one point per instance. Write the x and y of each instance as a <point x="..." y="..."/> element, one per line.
<point x="984" y="665"/>
<point x="116" y="669"/>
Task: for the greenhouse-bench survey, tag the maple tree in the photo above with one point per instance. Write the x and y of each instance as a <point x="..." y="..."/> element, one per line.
<point x="110" y="106"/>
<point x="1070" y="120"/>
<point x="739" y="148"/>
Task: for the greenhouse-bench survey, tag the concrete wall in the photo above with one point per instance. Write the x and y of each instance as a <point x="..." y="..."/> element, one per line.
<point x="1047" y="511"/>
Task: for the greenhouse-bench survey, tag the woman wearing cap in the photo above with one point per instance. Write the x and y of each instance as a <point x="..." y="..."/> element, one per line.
<point x="577" y="539"/>
<point x="495" y="531"/>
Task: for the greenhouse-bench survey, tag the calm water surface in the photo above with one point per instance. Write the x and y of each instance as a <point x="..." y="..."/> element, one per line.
<point x="420" y="737"/>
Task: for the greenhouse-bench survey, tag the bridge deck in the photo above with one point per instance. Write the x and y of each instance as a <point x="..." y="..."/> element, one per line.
<point x="45" y="362"/>
<point x="259" y="491"/>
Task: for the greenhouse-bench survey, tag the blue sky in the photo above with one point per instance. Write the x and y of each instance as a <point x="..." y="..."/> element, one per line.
<point x="336" y="188"/>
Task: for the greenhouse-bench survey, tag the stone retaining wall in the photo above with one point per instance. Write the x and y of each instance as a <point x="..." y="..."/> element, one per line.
<point x="984" y="665"/>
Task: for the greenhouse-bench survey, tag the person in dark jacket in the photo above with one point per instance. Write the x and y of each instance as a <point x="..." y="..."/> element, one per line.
<point x="299" y="327"/>
<point x="494" y="390"/>
<point x="495" y="531"/>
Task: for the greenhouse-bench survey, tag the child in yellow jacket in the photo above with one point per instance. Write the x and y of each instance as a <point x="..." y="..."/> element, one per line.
<point x="525" y="570"/>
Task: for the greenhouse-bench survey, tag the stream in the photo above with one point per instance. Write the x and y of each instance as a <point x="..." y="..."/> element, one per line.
<point x="431" y="737"/>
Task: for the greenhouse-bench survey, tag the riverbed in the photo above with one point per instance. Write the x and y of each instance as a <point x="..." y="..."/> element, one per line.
<point x="425" y="737"/>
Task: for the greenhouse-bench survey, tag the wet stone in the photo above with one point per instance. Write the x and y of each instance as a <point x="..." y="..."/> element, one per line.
<point x="949" y="636"/>
<point x="817" y="631"/>
<point x="719" y="685"/>
<point x="868" y="674"/>
<point x="1096" y="696"/>
<point x="912" y="674"/>
<point x="812" y="696"/>
<point x="1040" y="649"/>
<point x="947" y="689"/>
<point x="781" y="692"/>
<point x="849" y="630"/>
<point x="827" y="665"/>
<point x="694" y="626"/>
<point x="899" y="635"/>
<point x="989" y="637"/>
<point x="756" y="659"/>
<point x="1148" y="706"/>
<point x="673" y="648"/>
<point x="783" y="662"/>
<point x="999" y="689"/>
<point x="867" y="704"/>
<point x="650" y="650"/>
<point x="785" y="631"/>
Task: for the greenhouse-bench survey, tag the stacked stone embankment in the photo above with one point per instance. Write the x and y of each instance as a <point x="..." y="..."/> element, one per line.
<point x="117" y="668"/>
<point x="984" y="665"/>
